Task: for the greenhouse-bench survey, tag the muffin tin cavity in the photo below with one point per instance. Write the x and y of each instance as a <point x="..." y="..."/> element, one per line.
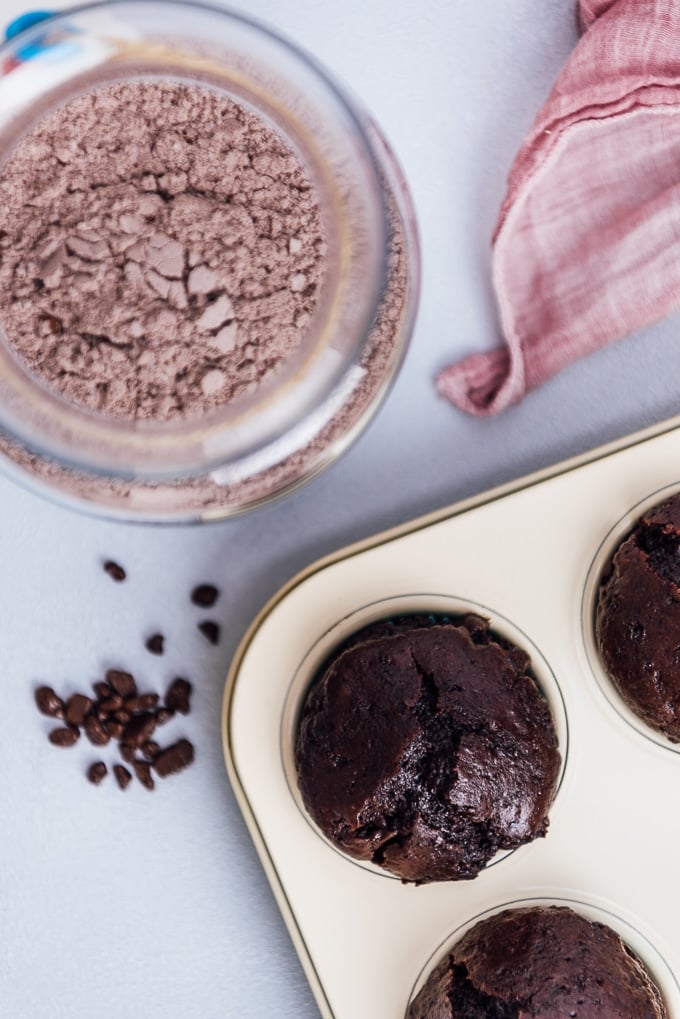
<point x="657" y="546"/>
<point x="398" y="613"/>
<point x="640" y="942"/>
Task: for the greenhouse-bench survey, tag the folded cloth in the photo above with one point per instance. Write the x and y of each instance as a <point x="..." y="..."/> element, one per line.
<point x="587" y="245"/>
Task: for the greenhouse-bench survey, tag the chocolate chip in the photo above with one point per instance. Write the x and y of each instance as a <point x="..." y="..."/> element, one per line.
<point x="48" y="702"/>
<point x="177" y="696"/>
<point x="141" y="703"/>
<point x="111" y="704"/>
<point x="114" y="728"/>
<point x="95" y="731"/>
<point x="96" y="772"/>
<point x="210" y="630"/>
<point x="77" y="707"/>
<point x="121" y="713"/>
<point x="122" y="682"/>
<point x="154" y="644"/>
<point x="115" y="571"/>
<point x="64" y="737"/>
<point x="205" y="595"/>
<point x="143" y="773"/>
<point x="174" y="758"/>
<point x="139" y="729"/>
<point x="123" y="776"/>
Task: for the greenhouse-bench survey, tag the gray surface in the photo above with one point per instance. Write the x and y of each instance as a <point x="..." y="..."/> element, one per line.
<point x="116" y="905"/>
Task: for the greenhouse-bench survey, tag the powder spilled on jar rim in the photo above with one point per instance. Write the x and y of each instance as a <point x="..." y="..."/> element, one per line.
<point x="161" y="250"/>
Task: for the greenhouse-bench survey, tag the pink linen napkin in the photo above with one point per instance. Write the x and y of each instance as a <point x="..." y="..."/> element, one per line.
<point x="587" y="245"/>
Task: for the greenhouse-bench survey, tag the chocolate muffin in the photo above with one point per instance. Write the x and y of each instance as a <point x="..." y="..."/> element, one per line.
<point x="638" y="618"/>
<point x="425" y="746"/>
<point x="539" y="962"/>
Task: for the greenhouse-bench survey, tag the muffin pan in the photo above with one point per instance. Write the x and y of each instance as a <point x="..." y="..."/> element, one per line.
<point x="528" y="556"/>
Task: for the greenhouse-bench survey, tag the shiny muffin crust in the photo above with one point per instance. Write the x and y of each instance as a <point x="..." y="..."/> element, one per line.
<point x="425" y="747"/>
<point x="638" y="618"/>
<point x="539" y="962"/>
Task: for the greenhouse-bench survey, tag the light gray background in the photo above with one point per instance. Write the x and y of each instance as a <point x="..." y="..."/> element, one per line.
<point x="116" y="905"/>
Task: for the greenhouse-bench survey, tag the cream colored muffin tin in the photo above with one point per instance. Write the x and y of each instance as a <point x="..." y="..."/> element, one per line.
<point x="528" y="556"/>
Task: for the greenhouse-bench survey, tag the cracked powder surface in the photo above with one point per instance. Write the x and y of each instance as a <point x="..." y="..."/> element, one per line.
<point x="161" y="250"/>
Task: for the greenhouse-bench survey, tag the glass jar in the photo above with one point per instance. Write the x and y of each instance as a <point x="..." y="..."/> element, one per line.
<point x="275" y="435"/>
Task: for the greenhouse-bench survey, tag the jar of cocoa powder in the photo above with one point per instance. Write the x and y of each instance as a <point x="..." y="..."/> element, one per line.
<point x="208" y="262"/>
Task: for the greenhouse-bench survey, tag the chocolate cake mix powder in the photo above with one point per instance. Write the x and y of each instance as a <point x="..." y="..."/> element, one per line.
<point x="161" y="253"/>
<point x="162" y="250"/>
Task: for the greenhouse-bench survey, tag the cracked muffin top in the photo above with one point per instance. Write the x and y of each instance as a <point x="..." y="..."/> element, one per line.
<point x="425" y="746"/>
<point x="638" y="618"/>
<point x="539" y="962"/>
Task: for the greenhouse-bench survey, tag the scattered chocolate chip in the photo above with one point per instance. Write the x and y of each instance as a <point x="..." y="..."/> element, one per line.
<point x="154" y="644"/>
<point x="210" y="630"/>
<point x="139" y="729"/>
<point x="111" y="704"/>
<point x="96" y="772"/>
<point x="95" y="731"/>
<point x="123" y="776"/>
<point x="130" y="718"/>
<point x="177" y="696"/>
<point x="122" y="682"/>
<point x="114" y="728"/>
<point x="143" y="773"/>
<point x="115" y="571"/>
<point x="64" y="737"/>
<point x="205" y="595"/>
<point x="77" y="707"/>
<point x="141" y="703"/>
<point x="174" y="758"/>
<point x="48" y="702"/>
